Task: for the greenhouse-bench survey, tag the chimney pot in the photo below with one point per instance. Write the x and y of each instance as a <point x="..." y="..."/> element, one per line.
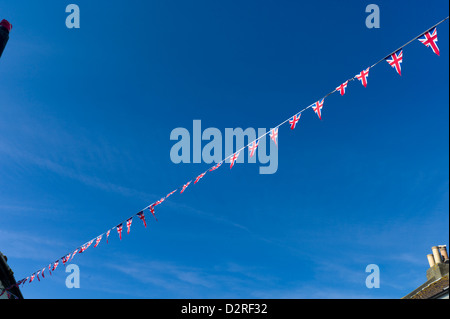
<point x="436" y="255"/>
<point x="431" y="260"/>
<point x="443" y="251"/>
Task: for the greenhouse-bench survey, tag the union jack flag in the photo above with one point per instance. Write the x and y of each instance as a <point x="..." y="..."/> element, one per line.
<point x="129" y="220"/>
<point x="64" y="260"/>
<point x="430" y="40"/>
<point x="274" y="135"/>
<point x="216" y="166"/>
<point x="55" y="265"/>
<point x="99" y="238"/>
<point x="318" y="108"/>
<point x="119" y="230"/>
<point x="160" y="201"/>
<point x="233" y="159"/>
<point x="152" y="210"/>
<point x="73" y="255"/>
<point x="107" y="235"/>
<point x="362" y="76"/>
<point x="171" y="192"/>
<point x="395" y="61"/>
<point x="42" y="271"/>
<point x="142" y="217"/>
<point x="31" y="279"/>
<point x="85" y="246"/>
<point x="293" y="121"/>
<point x="252" y="148"/>
<point x="199" y="177"/>
<point x="185" y="186"/>
<point x="341" y="88"/>
<point x="37" y="275"/>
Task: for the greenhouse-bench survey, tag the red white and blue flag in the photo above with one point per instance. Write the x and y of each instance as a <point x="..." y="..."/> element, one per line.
<point x="97" y="241"/>
<point x="274" y="135"/>
<point x="171" y="192"/>
<point x="362" y="76"/>
<point x="142" y="217"/>
<point x="119" y="230"/>
<point x="129" y="220"/>
<point x="185" y="186"/>
<point x="318" y="108"/>
<point x="64" y="260"/>
<point x="252" y="148"/>
<point x="395" y="61"/>
<point x="199" y="177"/>
<point x="341" y="88"/>
<point x="233" y="159"/>
<point x="73" y="255"/>
<point x="293" y="121"/>
<point x="430" y="40"/>
<point x="216" y="166"/>
<point x="152" y="210"/>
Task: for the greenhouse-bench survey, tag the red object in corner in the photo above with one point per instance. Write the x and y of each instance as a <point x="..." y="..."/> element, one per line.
<point x="4" y="23"/>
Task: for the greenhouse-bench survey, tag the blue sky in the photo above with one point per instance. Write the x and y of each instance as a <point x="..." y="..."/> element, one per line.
<point x="85" y="121"/>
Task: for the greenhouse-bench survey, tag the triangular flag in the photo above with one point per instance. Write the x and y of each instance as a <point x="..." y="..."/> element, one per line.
<point x="99" y="238"/>
<point x="395" y="61"/>
<point x="274" y="135"/>
<point x="129" y="220"/>
<point x="318" y="108"/>
<point x="341" y="88"/>
<point x="233" y="159"/>
<point x="293" y="121"/>
<point x="142" y="217"/>
<point x="430" y="40"/>
<point x="252" y="148"/>
<point x="119" y="230"/>
<point x="362" y="76"/>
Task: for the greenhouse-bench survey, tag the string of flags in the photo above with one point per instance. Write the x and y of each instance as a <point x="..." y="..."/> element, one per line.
<point x="428" y="38"/>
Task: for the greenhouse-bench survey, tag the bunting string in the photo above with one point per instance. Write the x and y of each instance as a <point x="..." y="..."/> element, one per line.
<point x="394" y="59"/>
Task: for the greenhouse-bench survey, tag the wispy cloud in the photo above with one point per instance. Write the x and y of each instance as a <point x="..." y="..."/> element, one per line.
<point x="68" y="172"/>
